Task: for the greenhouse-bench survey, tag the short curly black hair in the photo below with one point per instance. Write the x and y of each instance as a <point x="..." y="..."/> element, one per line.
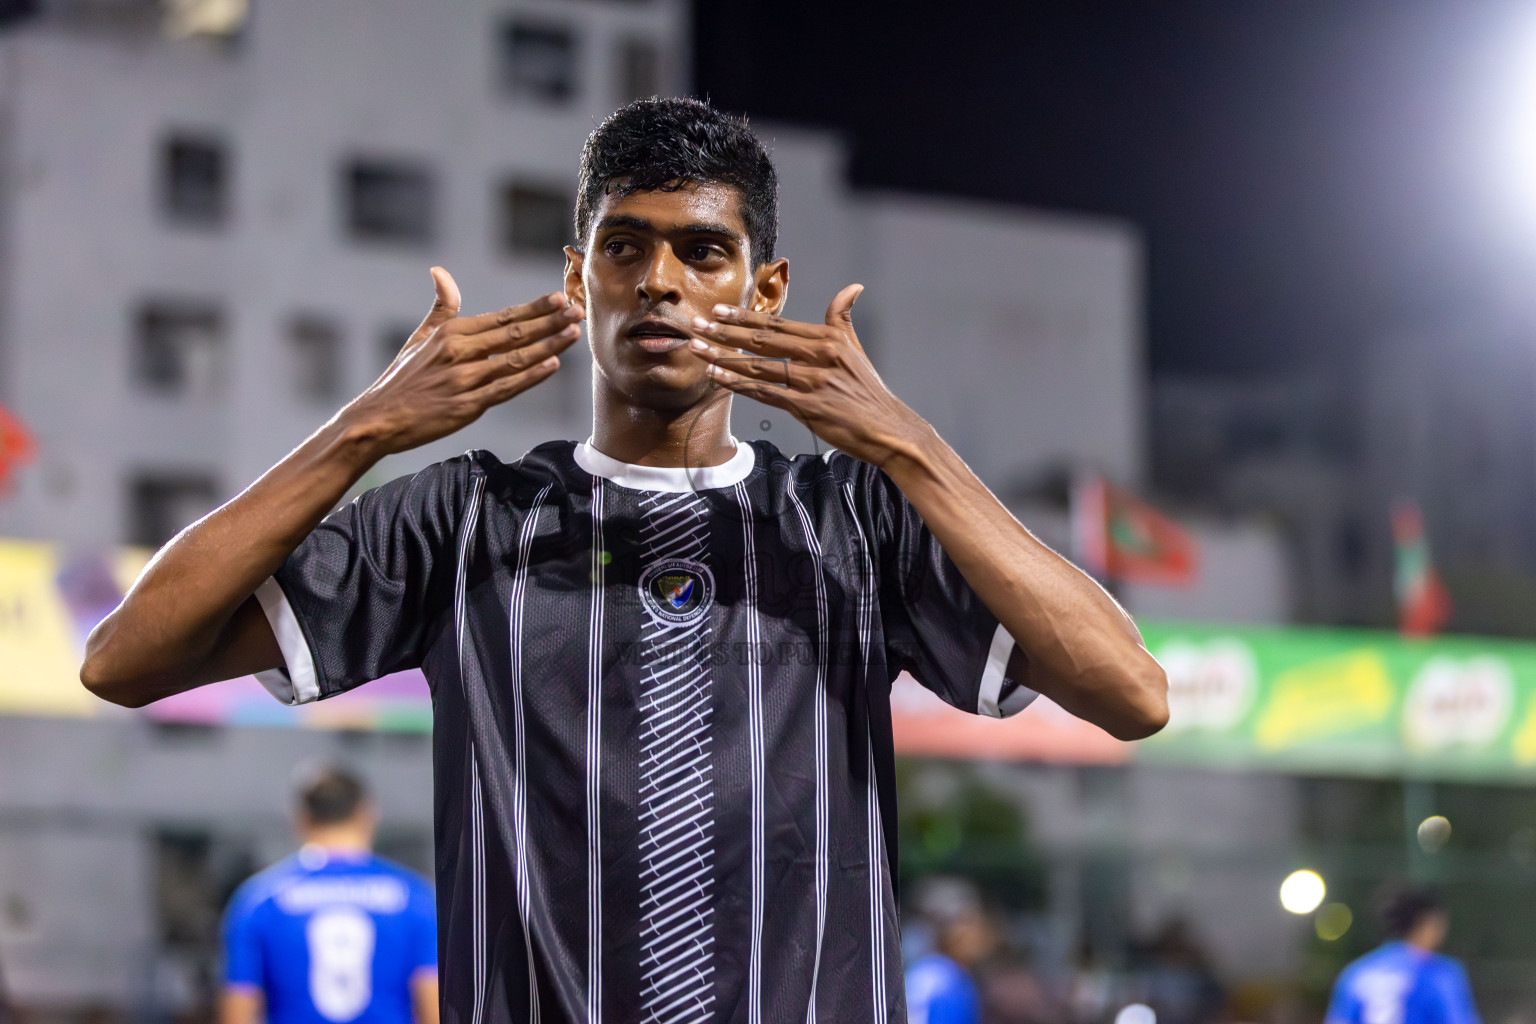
<point x="658" y="144"/>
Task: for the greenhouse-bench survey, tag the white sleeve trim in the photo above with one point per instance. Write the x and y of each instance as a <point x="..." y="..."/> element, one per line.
<point x="992" y="701"/>
<point x="296" y="684"/>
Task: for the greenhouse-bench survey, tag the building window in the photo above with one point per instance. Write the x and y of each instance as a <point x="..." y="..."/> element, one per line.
<point x="639" y="69"/>
<point x="389" y="201"/>
<point x="315" y="351"/>
<point x="194" y="180"/>
<point x="537" y="60"/>
<point x="178" y="349"/>
<point x="535" y="219"/>
<point x="161" y="504"/>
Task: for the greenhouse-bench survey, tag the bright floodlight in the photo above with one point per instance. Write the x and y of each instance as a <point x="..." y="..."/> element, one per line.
<point x="1136" y="1013"/>
<point x="1302" y="891"/>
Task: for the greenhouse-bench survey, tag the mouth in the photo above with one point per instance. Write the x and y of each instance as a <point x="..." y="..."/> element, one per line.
<point x="657" y="336"/>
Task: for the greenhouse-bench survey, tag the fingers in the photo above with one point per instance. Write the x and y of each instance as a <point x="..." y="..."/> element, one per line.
<point x="564" y="323"/>
<point x="738" y="317"/>
<point x="507" y="363"/>
<point x="840" y="312"/>
<point x="540" y="306"/>
<point x="765" y="340"/>
<point x="771" y="371"/>
<point x="778" y="396"/>
<point x="501" y="389"/>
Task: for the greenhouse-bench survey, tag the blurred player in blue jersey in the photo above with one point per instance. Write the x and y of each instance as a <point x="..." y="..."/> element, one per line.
<point x="1405" y="981"/>
<point x="940" y="988"/>
<point x="334" y="933"/>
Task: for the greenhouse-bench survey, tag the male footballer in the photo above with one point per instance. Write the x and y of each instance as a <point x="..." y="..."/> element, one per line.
<point x="660" y="659"/>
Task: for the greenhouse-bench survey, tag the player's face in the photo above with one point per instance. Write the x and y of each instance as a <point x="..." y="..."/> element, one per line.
<point x="654" y="261"/>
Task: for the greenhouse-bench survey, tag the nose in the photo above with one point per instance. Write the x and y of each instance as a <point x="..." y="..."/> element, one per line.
<point x="663" y="277"/>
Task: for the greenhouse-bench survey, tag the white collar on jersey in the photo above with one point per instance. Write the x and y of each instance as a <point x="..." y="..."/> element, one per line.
<point x="667" y="478"/>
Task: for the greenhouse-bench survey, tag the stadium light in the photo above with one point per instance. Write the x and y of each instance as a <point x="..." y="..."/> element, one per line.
<point x="1136" y="1013"/>
<point x="1302" y="891"/>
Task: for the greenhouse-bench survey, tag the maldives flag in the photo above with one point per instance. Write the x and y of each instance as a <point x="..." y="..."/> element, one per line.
<point x="17" y="447"/>
<point x="1423" y="603"/>
<point x="1117" y="536"/>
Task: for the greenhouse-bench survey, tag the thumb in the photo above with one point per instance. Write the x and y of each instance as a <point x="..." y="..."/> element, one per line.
<point x="840" y="313"/>
<point x="445" y="306"/>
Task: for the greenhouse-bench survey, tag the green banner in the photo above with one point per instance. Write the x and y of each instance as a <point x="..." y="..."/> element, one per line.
<point x="1354" y="701"/>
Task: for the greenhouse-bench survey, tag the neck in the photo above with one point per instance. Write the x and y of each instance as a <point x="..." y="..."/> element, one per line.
<point x="696" y="436"/>
<point x="339" y="840"/>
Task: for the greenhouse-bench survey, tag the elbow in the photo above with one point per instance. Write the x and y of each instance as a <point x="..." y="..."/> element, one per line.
<point x="1145" y="709"/>
<point x="109" y="682"/>
<point x="111" y="687"/>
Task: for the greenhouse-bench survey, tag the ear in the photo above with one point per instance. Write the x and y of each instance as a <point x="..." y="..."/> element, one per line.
<point x="575" y="288"/>
<point x="770" y="287"/>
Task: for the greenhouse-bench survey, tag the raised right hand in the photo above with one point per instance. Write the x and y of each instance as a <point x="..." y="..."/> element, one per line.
<point x="454" y="368"/>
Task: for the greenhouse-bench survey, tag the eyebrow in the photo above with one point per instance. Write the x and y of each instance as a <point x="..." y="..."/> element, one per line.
<point x="621" y="220"/>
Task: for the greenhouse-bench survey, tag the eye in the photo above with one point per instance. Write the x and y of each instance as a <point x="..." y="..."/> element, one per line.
<point x="617" y="247"/>
<point x="702" y="253"/>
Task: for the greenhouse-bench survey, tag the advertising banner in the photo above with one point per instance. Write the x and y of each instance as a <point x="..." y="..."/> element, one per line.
<point x="1335" y="700"/>
<point x="1292" y="699"/>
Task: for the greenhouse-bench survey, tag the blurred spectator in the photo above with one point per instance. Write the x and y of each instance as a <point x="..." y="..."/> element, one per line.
<point x="1176" y="978"/>
<point x="1405" y="981"/>
<point x="1093" y="987"/>
<point x="334" y="933"/>
<point x="940" y="989"/>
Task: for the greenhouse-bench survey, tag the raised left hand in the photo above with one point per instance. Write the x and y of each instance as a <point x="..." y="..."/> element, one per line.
<point x="817" y="372"/>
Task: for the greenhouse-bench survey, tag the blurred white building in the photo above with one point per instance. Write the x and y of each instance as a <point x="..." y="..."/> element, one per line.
<point x="212" y="244"/>
<point x="208" y="244"/>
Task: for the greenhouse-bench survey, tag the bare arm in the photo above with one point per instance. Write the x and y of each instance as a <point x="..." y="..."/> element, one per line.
<point x="424" y="1005"/>
<point x="241" y="1004"/>
<point x="191" y="618"/>
<point x="1075" y="644"/>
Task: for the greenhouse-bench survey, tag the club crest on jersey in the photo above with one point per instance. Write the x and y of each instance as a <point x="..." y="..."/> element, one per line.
<point x="678" y="590"/>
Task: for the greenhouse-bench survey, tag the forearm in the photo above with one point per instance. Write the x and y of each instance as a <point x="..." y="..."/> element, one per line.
<point x="174" y="629"/>
<point x="1082" y="650"/>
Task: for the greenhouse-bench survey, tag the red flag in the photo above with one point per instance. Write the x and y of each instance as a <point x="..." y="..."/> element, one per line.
<point x="17" y="447"/>
<point x="1423" y="603"/>
<point x="1118" y="536"/>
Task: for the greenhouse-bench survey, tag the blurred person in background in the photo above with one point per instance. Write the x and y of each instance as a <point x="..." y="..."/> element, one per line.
<point x="1176" y="978"/>
<point x="334" y="933"/>
<point x="1405" y="981"/>
<point x="940" y="986"/>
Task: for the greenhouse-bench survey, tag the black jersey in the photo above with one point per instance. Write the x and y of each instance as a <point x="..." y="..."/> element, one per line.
<point x="662" y="741"/>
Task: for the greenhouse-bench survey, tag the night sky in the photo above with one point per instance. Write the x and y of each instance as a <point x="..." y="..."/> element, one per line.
<point x="1308" y="175"/>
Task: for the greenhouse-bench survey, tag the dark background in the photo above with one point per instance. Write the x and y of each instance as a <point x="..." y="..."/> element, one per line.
<point x="1306" y="174"/>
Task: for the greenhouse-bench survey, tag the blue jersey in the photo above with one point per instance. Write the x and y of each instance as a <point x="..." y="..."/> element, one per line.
<point x="331" y="938"/>
<point x="1399" y="984"/>
<point x="940" y="992"/>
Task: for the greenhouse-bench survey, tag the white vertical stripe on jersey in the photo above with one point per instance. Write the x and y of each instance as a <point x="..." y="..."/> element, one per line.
<point x="477" y="882"/>
<point x="520" y="778"/>
<point x="821" y="640"/>
<point x="476" y="798"/>
<point x="755" y="744"/>
<point x="872" y="816"/>
<point x="595" y="766"/>
<point x="677" y="852"/>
